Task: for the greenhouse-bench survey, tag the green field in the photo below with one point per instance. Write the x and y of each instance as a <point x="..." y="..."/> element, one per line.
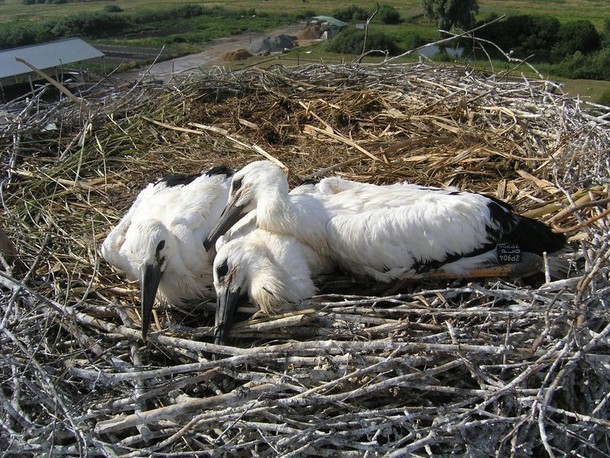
<point x="564" y="10"/>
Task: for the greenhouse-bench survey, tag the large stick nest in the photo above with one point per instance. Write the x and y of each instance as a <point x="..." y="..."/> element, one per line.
<point x="493" y="367"/>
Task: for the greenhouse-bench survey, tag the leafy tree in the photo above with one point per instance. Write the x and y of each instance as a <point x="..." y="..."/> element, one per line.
<point x="451" y="13"/>
<point x="577" y="36"/>
<point x="389" y="15"/>
<point x="350" y="41"/>
<point x="351" y="13"/>
<point x="95" y="24"/>
<point x="112" y="9"/>
<point x="19" y="35"/>
<point x="534" y="34"/>
<point x="523" y="34"/>
<point x="595" y="66"/>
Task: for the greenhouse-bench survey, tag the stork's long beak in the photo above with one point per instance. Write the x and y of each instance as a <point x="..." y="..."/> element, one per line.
<point x="226" y="305"/>
<point x="148" y="290"/>
<point x="230" y="215"/>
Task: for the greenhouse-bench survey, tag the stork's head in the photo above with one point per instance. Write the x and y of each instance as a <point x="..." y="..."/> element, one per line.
<point x="150" y="246"/>
<point x="248" y="187"/>
<point x="246" y="267"/>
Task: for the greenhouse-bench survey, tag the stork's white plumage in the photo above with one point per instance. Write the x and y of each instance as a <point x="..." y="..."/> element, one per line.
<point x="159" y="241"/>
<point x="386" y="232"/>
<point x="275" y="272"/>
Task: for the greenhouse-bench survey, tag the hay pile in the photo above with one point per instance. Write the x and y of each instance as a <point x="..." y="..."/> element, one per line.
<point x="232" y="56"/>
<point x="482" y="368"/>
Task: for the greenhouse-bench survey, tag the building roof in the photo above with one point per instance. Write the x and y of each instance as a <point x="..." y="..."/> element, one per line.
<point x="44" y="56"/>
<point x="331" y="20"/>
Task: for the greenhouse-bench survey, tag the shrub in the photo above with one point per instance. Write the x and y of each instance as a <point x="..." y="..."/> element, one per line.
<point x="601" y="64"/>
<point x="593" y="66"/>
<point x="350" y="41"/>
<point x="523" y="34"/>
<point x="389" y="15"/>
<point x="606" y="34"/>
<point x="186" y="11"/>
<point x="90" y="24"/>
<point x="577" y="36"/>
<point x="411" y="40"/>
<point x="351" y="13"/>
<point x="112" y="9"/>
<point x="13" y="36"/>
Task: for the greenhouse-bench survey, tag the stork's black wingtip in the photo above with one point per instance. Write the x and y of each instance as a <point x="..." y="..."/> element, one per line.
<point x="207" y="244"/>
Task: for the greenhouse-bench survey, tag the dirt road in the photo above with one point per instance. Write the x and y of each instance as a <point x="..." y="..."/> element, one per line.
<point x="195" y="62"/>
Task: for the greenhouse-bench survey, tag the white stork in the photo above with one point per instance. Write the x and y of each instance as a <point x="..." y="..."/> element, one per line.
<point x="159" y="241"/>
<point x="387" y="232"/>
<point x="274" y="271"/>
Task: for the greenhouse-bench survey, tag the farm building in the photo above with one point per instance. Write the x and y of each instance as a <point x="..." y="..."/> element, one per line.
<point x="53" y="55"/>
<point x="328" y="26"/>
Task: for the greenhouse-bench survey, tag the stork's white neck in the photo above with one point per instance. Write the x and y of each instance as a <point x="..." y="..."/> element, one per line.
<point x="301" y="216"/>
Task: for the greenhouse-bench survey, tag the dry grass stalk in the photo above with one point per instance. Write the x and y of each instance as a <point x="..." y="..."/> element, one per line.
<point x="490" y="367"/>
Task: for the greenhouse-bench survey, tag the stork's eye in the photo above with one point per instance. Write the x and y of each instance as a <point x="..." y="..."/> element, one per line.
<point x="236" y="184"/>
<point x="161" y="245"/>
<point x="222" y="269"/>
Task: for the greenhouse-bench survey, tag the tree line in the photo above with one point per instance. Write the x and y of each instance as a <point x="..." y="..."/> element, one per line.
<point x="99" y="24"/>
<point x="573" y="49"/>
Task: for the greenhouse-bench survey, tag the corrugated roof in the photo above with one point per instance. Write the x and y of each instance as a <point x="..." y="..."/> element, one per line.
<point x="331" y="20"/>
<point x="47" y="55"/>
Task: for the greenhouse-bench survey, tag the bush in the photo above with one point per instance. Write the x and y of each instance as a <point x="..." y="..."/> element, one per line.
<point x="183" y="12"/>
<point x="594" y="66"/>
<point x="186" y="11"/>
<point x="350" y="41"/>
<point x="411" y="40"/>
<point x="389" y="15"/>
<point x="351" y="13"/>
<point x="606" y="34"/>
<point x="576" y="36"/>
<point x="90" y="24"/>
<point x="13" y="36"/>
<point x="524" y="35"/>
<point x="600" y="62"/>
<point x="112" y="9"/>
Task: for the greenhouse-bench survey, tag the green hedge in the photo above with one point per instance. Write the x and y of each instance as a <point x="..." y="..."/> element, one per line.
<point x="350" y="41"/>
